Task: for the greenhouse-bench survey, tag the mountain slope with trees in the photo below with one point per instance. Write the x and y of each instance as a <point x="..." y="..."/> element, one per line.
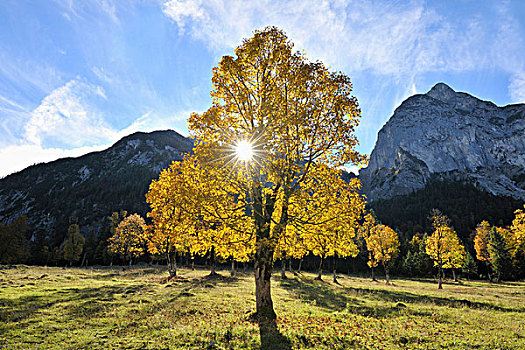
<point x="89" y="187"/>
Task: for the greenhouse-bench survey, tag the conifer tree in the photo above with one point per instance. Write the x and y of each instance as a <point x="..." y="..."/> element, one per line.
<point x="74" y="244"/>
<point x="363" y="232"/>
<point x="469" y="267"/>
<point x="500" y="258"/>
<point x="417" y="262"/>
<point x="13" y="241"/>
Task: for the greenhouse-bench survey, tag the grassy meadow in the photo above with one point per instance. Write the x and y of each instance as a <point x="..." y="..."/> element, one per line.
<point x="108" y="308"/>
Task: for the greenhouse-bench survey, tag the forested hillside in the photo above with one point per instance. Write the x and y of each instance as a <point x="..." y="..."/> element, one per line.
<point x="87" y="188"/>
<point x="465" y="204"/>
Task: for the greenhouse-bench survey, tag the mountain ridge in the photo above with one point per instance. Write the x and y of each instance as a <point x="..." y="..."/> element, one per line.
<point x="90" y="186"/>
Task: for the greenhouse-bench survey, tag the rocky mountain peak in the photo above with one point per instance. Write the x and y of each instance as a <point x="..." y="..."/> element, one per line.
<point x="451" y="135"/>
<point x="442" y="92"/>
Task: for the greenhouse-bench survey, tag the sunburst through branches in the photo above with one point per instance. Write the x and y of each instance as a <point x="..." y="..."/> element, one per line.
<point x="244" y="151"/>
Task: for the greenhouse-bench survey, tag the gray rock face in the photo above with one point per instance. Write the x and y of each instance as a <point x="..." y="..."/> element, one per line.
<point x="452" y="135"/>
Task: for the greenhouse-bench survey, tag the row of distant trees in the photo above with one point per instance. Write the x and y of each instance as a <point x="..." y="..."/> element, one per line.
<point x="500" y="251"/>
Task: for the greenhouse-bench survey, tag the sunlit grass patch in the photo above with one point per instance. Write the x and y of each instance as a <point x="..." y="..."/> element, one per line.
<point x="108" y="308"/>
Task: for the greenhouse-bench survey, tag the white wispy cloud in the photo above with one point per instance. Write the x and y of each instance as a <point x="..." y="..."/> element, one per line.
<point x="359" y="35"/>
<point x="66" y="116"/>
<point x="517" y="88"/>
<point x="80" y="8"/>
<point x="28" y="73"/>
<point x="508" y="49"/>
<point x="389" y="38"/>
<point x="17" y="157"/>
<point x="69" y="117"/>
<point x="8" y="104"/>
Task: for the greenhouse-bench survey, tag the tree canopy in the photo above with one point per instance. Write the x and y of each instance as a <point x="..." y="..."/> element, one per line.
<point x="130" y="238"/>
<point x="74" y="244"/>
<point x="383" y="246"/>
<point x="298" y="119"/>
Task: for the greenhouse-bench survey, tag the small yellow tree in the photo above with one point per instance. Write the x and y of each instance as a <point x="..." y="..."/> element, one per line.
<point x="443" y="246"/>
<point x="383" y="246"/>
<point x="328" y="215"/>
<point x="130" y="238"/>
<point x="482" y="245"/>
<point x="170" y="227"/>
<point x="518" y="228"/>
<point x="455" y="257"/>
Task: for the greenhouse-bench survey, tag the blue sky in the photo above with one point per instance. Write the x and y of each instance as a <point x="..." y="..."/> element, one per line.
<point x="76" y="76"/>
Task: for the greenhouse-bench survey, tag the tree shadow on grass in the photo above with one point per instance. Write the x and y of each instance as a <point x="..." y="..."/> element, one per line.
<point x="89" y="301"/>
<point x="316" y="291"/>
<point x="407" y="297"/>
<point x="327" y="297"/>
<point x="208" y="281"/>
<point x="275" y="340"/>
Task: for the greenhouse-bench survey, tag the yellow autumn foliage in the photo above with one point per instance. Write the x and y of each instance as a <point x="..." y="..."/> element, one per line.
<point x="130" y="237"/>
<point x="299" y="119"/>
<point x="482" y="241"/>
<point x="443" y="245"/>
<point x="383" y="245"/>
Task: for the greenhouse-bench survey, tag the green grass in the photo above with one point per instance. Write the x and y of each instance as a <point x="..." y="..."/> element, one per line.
<point x="107" y="308"/>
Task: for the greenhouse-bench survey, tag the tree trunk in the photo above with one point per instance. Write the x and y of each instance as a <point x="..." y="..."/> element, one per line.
<point x="283" y="269"/>
<point x="172" y="265"/>
<point x="454" y="275"/>
<point x="263" y="264"/>
<point x="232" y="272"/>
<point x="334" y="266"/>
<point x="300" y="265"/>
<point x="440" y="281"/>
<point x="263" y="297"/>
<point x="387" y="275"/>
<point x="212" y="261"/>
<point x="373" y="275"/>
<point x="320" y="274"/>
<point x="488" y="272"/>
<point x="130" y="261"/>
<point x="290" y="265"/>
<point x="83" y="260"/>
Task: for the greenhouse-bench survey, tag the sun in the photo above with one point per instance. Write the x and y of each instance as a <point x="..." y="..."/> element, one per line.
<point x="244" y="151"/>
